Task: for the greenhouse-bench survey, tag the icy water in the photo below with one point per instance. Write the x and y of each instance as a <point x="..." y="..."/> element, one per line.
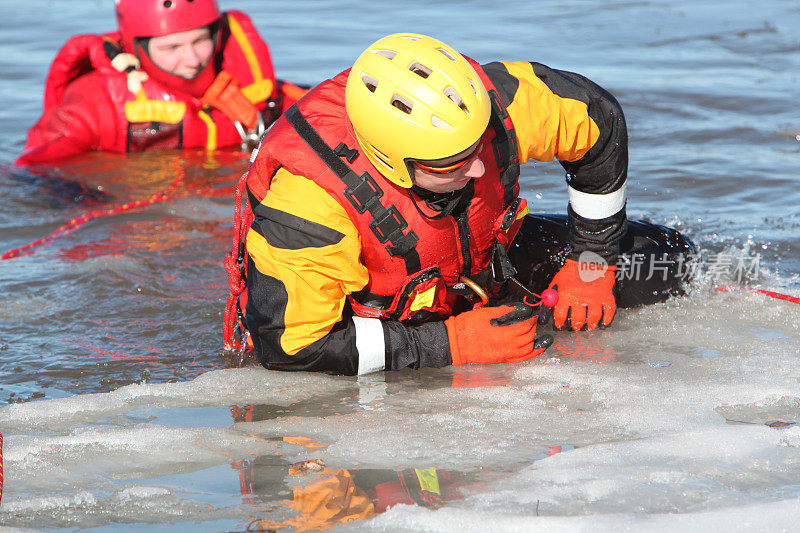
<point x="120" y="411"/>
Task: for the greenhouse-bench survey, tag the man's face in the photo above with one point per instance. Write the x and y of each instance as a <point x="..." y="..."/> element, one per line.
<point x="184" y="53"/>
<point x="467" y="165"/>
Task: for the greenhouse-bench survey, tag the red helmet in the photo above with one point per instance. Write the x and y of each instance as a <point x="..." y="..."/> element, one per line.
<point x="151" y="18"/>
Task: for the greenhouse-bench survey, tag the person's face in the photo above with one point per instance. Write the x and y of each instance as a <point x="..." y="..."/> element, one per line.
<point x="184" y="53"/>
<point x="451" y="173"/>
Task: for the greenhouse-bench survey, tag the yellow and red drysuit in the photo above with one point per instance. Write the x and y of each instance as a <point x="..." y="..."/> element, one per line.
<point x="94" y="101"/>
<point x="349" y="273"/>
<point x="324" y="497"/>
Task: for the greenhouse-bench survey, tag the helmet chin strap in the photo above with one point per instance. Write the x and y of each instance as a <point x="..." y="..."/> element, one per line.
<point x="444" y="202"/>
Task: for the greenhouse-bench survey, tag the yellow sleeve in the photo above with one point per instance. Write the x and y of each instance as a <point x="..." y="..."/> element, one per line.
<point x="563" y="131"/>
<point x="303" y="239"/>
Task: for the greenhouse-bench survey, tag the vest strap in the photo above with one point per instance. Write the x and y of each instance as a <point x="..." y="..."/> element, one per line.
<point x="364" y="194"/>
<point x="504" y="147"/>
<point x="224" y="94"/>
<point x="370" y="299"/>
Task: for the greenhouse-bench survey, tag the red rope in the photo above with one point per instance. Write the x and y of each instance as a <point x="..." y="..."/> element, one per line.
<point x="79" y="221"/>
<point x="779" y="296"/>
<point x="75" y="223"/>
<point x="234" y="259"/>
<point x="771" y="294"/>
<point x="165" y="195"/>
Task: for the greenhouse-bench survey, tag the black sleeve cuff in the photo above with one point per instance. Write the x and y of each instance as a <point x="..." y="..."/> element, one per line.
<point x="416" y="346"/>
<point x="601" y="236"/>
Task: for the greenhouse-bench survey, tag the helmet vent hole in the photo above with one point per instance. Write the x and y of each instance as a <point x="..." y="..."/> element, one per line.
<point x="437" y="122"/>
<point x="388" y="54"/>
<point x="419" y="69"/>
<point x="383" y="158"/>
<point x="168" y="3"/>
<point x="409" y="37"/>
<point x="474" y="88"/>
<point x="447" y="54"/>
<point x="403" y="104"/>
<point x="456" y="99"/>
<point x="369" y="82"/>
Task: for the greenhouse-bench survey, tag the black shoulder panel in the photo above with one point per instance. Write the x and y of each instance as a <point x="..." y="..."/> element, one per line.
<point x="506" y="84"/>
<point x="290" y="232"/>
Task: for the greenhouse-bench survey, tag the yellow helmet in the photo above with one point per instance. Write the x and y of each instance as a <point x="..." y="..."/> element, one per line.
<point x="411" y="97"/>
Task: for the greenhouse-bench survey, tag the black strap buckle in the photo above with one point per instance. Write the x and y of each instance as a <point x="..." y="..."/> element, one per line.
<point x="345" y="151"/>
<point x="364" y="194"/>
<point x="387" y="223"/>
<point x="402" y="245"/>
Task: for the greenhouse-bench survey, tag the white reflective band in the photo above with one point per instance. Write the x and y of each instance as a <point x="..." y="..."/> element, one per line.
<point x="370" y="345"/>
<point x="597" y="206"/>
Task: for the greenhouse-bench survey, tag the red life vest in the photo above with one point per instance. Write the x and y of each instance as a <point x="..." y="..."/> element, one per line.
<point x="156" y="116"/>
<point x="412" y="259"/>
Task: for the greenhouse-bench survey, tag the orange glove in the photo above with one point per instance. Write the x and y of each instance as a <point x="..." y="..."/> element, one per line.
<point x="585" y="295"/>
<point x="489" y="335"/>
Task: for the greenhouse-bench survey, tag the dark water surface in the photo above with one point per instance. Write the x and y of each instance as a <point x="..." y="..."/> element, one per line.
<point x="711" y="93"/>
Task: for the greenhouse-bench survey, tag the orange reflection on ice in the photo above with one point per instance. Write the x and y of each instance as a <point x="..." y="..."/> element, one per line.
<point x="310" y="495"/>
<point x="303" y="441"/>
<point x="582" y="346"/>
